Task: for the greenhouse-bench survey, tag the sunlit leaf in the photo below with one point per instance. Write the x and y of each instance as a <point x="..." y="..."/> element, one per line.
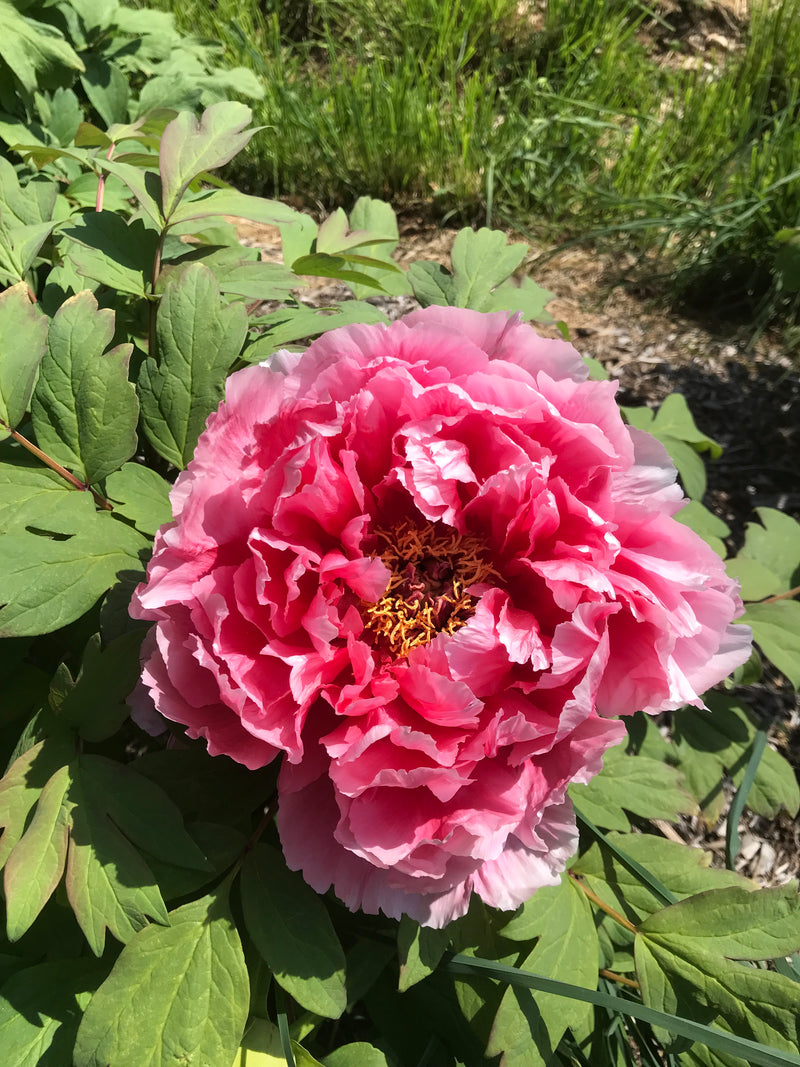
<point x="529" y="1026"/>
<point x="45" y="584"/>
<point x="638" y="784"/>
<point x="199" y="338"/>
<point x="189" y="147"/>
<point x="141" y="495"/>
<point x="23" y="341"/>
<point x="177" y="994"/>
<point x="84" y="408"/>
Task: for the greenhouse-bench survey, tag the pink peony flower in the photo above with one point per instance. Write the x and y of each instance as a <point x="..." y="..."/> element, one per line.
<point x="430" y="565"/>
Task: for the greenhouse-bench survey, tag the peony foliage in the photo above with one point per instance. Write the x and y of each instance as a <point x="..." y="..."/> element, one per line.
<point x="392" y="601"/>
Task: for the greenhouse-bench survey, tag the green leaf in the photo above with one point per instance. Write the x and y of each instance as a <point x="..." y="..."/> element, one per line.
<point x="22" y="784"/>
<point x="34" y="203"/>
<point x="23" y="342"/>
<point x="177" y="994"/>
<point x="298" y="237"/>
<point x="144" y="185"/>
<point x="709" y="746"/>
<point x="140" y="495"/>
<point x="221" y="845"/>
<point x="706" y="524"/>
<point x="755" y="579"/>
<point x="740" y="922"/>
<point x="561" y="918"/>
<point x="40" y="1009"/>
<point x="482" y="259"/>
<point x="358" y="1054"/>
<point x="432" y="283"/>
<point x="37" y="861"/>
<point x="45" y="584"/>
<point x="189" y="147"/>
<point x="674" y="419"/>
<point x="261" y="1046"/>
<point x="295" y="324"/>
<point x="239" y="272"/>
<point x="689" y="465"/>
<point x="775" y="543"/>
<point x="199" y="339"/>
<point x="420" y="948"/>
<point x="684" y="979"/>
<point x="34" y="51"/>
<point x="231" y="202"/>
<point x="95" y="705"/>
<point x="683" y="870"/>
<point x="31" y="495"/>
<point x="107" y="88"/>
<point x="675" y="427"/>
<point x="776" y="629"/>
<point x="142" y="810"/>
<point x="527" y="297"/>
<point x="290" y="927"/>
<point x="643" y="786"/>
<point x="84" y="408"/>
<point x="103" y="247"/>
<point x="324" y="265"/>
<point x="19" y="247"/>
<point x="377" y="217"/>
<point x="109" y="886"/>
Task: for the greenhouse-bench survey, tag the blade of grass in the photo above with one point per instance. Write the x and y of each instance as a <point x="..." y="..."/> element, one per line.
<point x="751" y="1051"/>
<point x="641" y="872"/>
<point x="740" y="798"/>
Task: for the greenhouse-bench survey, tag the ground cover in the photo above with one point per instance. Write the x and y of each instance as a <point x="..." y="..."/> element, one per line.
<point x="668" y="129"/>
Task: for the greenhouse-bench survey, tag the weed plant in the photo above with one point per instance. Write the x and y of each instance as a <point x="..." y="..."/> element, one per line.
<point x="568" y="120"/>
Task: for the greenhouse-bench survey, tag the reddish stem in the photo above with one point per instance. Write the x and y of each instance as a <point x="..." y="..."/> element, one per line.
<point x="615" y="915"/>
<point x="619" y="978"/>
<point x="781" y="596"/>
<point x="76" y="483"/>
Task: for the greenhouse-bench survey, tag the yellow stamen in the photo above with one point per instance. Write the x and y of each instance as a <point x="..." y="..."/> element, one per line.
<point x="426" y="594"/>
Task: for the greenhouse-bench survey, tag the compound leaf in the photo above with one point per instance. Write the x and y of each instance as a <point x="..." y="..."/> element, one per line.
<point x="23" y="342"/>
<point x="177" y="994"/>
<point x="528" y="1027"/>
<point x="141" y="495"/>
<point x="45" y="584"/>
<point x="109" y="885"/>
<point x="84" y="408"/>
<point x="645" y="787"/>
<point x="189" y="147"/>
<point x="199" y="338"/>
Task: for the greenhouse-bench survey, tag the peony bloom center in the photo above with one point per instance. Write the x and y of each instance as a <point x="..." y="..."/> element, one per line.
<point x="434" y="574"/>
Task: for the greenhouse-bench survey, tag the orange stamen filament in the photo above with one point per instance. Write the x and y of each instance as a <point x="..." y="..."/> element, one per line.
<point x="427" y="591"/>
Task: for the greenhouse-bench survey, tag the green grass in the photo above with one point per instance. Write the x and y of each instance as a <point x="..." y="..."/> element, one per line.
<point x="563" y="127"/>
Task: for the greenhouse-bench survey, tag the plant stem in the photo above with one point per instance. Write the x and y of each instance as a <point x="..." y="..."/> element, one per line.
<point x="781" y="596"/>
<point x="266" y="819"/>
<point x="153" y="303"/>
<point x="615" y="915"/>
<point x="619" y="978"/>
<point x="101" y="181"/>
<point x="76" y="483"/>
